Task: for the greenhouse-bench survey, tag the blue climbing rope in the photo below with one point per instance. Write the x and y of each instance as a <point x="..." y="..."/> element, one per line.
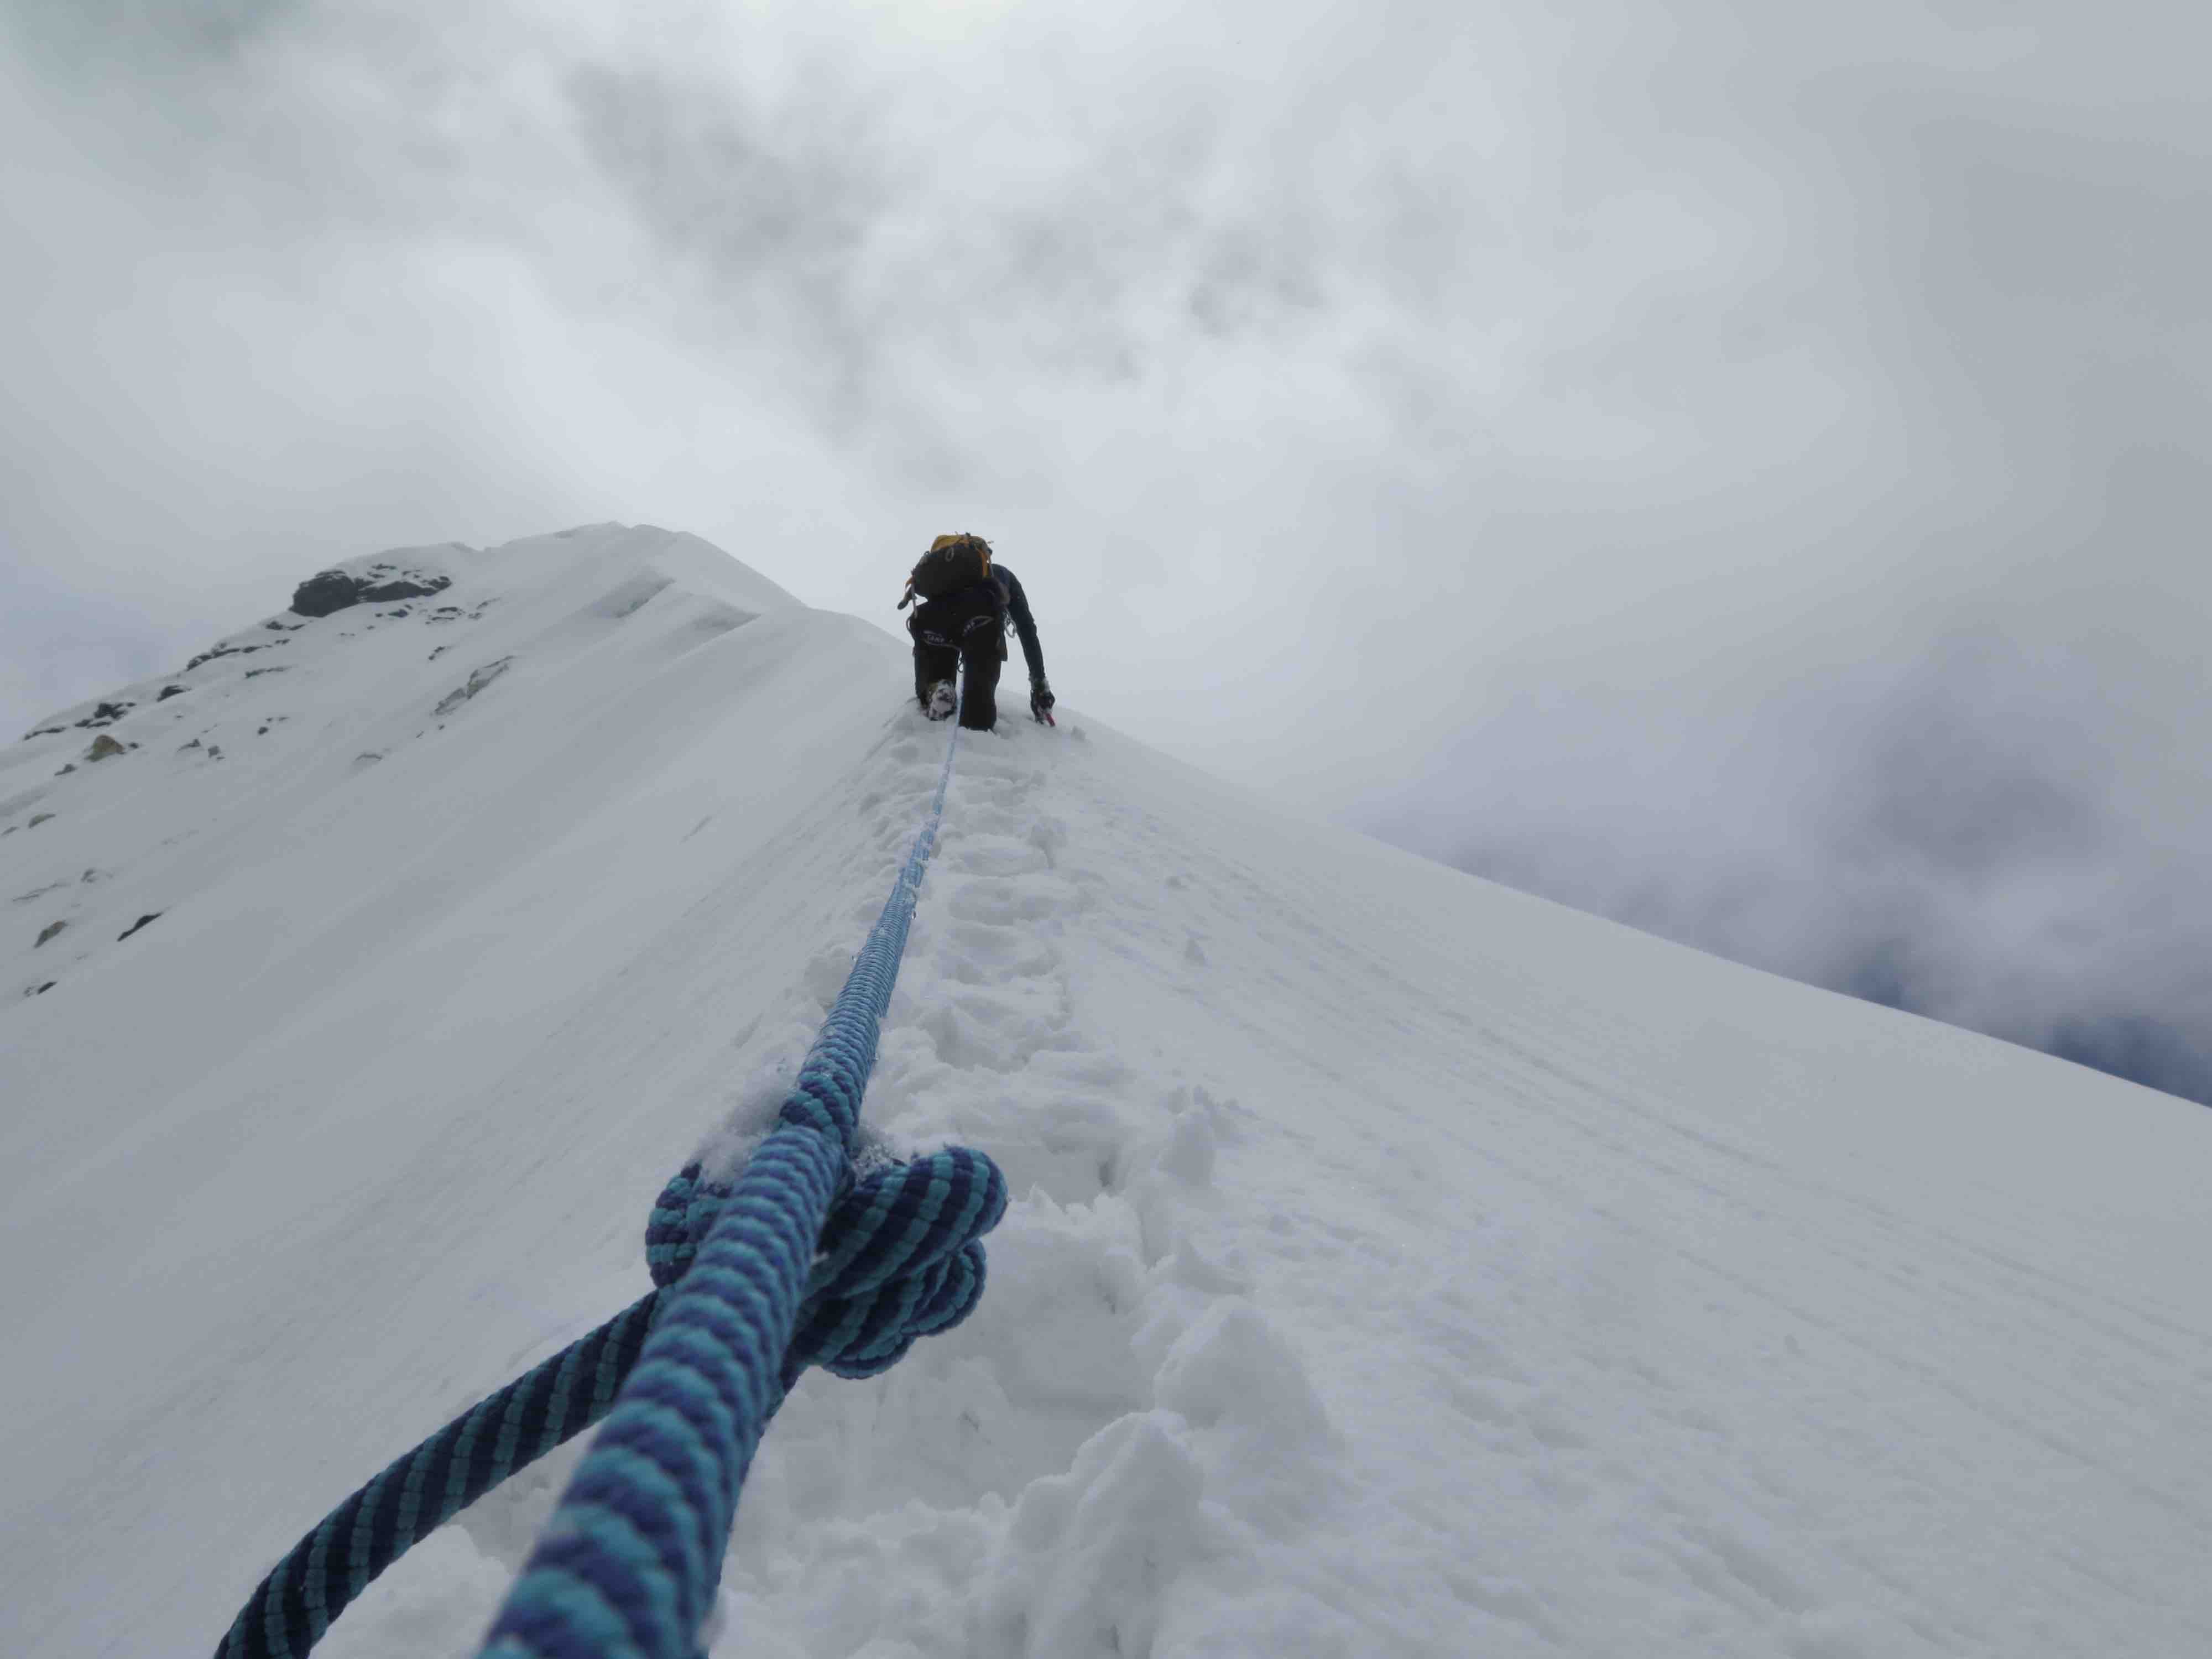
<point x="797" y="1261"/>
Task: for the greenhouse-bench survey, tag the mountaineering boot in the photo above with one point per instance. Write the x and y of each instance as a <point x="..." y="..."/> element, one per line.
<point x="939" y="706"/>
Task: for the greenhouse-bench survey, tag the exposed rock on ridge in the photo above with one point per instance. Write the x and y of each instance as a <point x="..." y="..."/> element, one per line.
<point x="329" y="591"/>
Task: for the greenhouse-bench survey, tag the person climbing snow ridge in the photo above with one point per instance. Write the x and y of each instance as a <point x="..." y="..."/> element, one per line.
<point x="966" y="602"/>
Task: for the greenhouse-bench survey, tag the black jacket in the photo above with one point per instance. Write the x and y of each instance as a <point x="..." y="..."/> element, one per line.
<point x="1014" y="606"/>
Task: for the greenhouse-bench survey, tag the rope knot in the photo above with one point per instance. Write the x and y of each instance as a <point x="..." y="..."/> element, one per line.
<point x="900" y="1256"/>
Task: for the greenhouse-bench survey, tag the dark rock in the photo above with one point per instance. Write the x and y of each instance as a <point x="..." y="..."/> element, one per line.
<point x="66" y="770"/>
<point x="44" y="732"/>
<point x="407" y="587"/>
<point x="136" y="926"/>
<point x="106" y="714"/>
<point x="169" y="691"/>
<point x="478" y="678"/>
<point x="47" y="987"/>
<point x="50" y="931"/>
<point x="102" y="747"/>
<point x="325" y="593"/>
<point x="329" y="591"/>
<point x="220" y="651"/>
<point x="38" y="819"/>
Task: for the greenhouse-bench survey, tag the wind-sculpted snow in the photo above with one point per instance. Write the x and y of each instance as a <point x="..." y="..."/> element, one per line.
<point x="1399" y="1265"/>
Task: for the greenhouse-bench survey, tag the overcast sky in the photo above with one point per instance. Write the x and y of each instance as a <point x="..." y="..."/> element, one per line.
<point x="1736" y="464"/>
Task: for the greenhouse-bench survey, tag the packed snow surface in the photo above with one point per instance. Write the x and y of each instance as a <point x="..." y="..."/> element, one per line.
<point x="1399" y="1264"/>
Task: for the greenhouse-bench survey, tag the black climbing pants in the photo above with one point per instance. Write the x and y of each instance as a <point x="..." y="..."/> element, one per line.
<point x="961" y="628"/>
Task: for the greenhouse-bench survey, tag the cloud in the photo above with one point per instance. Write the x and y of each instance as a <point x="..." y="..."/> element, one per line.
<point x="1948" y="831"/>
<point x="1583" y="442"/>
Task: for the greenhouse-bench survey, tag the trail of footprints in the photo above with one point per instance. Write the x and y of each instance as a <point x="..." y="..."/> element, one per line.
<point x="1114" y="1416"/>
<point x="1051" y="1466"/>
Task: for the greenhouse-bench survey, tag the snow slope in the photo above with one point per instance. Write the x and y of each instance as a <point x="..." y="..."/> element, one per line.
<point x="1405" y="1266"/>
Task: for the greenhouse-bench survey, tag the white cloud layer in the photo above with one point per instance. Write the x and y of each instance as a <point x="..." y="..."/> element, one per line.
<point x="1565" y="438"/>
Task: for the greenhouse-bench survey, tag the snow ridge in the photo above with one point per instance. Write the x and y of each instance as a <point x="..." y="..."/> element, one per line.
<point x="227" y="751"/>
<point x="1398" y="1265"/>
<point x="1035" y="1481"/>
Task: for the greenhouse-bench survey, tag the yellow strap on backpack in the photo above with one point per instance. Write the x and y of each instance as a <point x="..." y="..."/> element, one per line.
<point x="938" y="546"/>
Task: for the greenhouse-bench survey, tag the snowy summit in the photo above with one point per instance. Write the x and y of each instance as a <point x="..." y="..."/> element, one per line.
<point x="1399" y="1265"/>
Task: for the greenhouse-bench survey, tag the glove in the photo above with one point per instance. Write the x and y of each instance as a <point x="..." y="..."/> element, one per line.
<point x="1040" y="699"/>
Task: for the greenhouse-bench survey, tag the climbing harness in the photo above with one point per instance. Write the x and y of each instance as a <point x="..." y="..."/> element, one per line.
<point x="798" y="1261"/>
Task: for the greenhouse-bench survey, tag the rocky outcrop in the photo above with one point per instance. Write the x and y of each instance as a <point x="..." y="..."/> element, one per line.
<point x="328" y="592"/>
<point x="420" y="588"/>
<point x="325" y="593"/>
<point x="477" y="680"/>
<point x="222" y="651"/>
<point x="102" y="747"/>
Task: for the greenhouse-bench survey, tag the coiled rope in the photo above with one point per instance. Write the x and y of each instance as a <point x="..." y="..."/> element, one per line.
<point x="799" y="1262"/>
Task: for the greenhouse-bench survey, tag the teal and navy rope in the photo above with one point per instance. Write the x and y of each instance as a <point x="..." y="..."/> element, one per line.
<point x="795" y="1263"/>
<point x="421" y="1491"/>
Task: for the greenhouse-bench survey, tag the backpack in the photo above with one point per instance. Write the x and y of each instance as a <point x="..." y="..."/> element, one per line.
<point x="952" y="565"/>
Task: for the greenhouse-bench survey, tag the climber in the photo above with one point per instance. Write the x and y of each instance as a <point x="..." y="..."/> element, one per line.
<point x="966" y="601"/>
